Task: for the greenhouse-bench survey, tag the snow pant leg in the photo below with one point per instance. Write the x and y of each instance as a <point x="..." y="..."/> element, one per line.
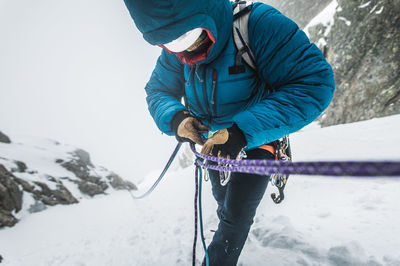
<point x="218" y="191"/>
<point x="237" y="204"/>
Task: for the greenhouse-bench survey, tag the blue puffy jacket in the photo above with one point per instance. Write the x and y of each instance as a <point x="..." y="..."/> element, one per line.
<point x="292" y="87"/>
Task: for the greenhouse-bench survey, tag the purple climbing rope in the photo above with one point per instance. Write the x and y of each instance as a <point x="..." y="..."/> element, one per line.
<point x="195" y="216"/>
<point x="329" y="168"/>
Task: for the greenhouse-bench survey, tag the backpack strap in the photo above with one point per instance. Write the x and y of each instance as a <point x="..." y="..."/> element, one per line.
<point x="241" y="13"/>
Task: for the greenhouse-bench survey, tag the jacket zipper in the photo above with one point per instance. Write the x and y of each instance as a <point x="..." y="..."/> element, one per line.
<point x="214" y="91"/>
<point x="205" y="96"/>
<point x="196" y="96"/>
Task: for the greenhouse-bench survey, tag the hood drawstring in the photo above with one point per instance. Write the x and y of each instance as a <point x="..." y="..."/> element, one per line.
<point x="194" y="71"/>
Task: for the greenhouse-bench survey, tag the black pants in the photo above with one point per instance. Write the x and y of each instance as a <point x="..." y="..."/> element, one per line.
<point x="237" y="204"/>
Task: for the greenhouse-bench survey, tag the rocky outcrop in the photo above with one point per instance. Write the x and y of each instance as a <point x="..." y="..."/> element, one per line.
<point x="12" y="189"/>
<point x="51" y="197"/>
<point x="10" y="198"/>
<point x="118" y="183"/>
<point x="4" y="138"/>
<point x="363" y="47"/>
<point x="44" y="180"/>
<point x="89" y="181"/>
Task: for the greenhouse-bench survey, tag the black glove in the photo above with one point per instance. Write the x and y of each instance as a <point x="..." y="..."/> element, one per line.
<point x="226" y="143"/>
<point x="187" y="128"/>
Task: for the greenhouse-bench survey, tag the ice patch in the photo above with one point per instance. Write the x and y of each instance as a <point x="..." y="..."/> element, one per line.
<point x="373" y="9"/>
<point x="364" y="5"/>
<point x="325" y="17"/>
<point x="348" y="22"/>
<point x="379" y="11"/>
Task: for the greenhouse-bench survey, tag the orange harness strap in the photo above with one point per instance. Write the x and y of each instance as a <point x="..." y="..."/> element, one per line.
<point x="269" y="148"/>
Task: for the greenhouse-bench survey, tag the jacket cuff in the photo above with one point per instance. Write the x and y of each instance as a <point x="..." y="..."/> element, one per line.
<point x="177" y="119"/>
<point x="237" y="135"/>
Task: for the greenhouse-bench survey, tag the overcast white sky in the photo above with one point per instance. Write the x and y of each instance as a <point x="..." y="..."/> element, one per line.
<point x="75" y="71"/>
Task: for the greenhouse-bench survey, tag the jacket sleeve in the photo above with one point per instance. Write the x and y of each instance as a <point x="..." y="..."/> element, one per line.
<point x="301" y="80"/>
<point x="165" y="90"/>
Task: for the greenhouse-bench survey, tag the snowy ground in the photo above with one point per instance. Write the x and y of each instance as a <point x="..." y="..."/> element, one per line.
<point x="323" y="220"/>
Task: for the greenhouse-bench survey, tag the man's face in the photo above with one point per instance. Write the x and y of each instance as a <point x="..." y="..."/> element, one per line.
<point x="191" y="47"/>
<point x="201" y="40"/>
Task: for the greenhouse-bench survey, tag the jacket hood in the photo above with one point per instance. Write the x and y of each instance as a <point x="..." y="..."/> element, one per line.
<point x="162" y="21"/>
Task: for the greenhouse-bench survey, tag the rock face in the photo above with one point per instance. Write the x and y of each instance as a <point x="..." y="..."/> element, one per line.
<point x="81" y="166"/>
<point x="365" y="56"/>
<point x="48" y="174"/>
<point x="300" y="11"/>
<point x="90" y="182"/>
<point x="363" y="47"/>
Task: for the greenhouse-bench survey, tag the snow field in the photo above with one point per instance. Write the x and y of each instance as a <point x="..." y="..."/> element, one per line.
<point x="322" y="221"/>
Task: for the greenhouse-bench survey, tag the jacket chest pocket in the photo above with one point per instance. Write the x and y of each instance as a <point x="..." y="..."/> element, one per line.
<point x="235" y="89"/>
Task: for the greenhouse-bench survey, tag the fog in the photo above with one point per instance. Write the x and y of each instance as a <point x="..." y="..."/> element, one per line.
<point x="75" y="71"/>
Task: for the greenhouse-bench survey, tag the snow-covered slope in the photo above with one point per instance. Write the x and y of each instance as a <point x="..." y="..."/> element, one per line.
<point x="36" y="173"/>
<point x="323" y="220"/>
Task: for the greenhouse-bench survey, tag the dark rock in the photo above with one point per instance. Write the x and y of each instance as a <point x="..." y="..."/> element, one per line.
<point x="91" y="189"/>
<point x="7" y="219"/>
<point x="21" y="166"/>
<point x="10" y="198"/>
<point x="45" y="190"/>
<point x="4" y="138"/>
<point x="81" y="166"/>
<point x="60" y="195"/>
<point x="32" y="172"/>
<point x="10" y="194"/>
<point x="49" y="200"/>
<point x="25" y="185"/>
<point x="118" y="183"/>
<point x="83" y="156"/>
<point x="63" y="195"/>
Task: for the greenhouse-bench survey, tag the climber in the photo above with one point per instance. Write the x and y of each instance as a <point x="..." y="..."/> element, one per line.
<point x="243" y="108"/>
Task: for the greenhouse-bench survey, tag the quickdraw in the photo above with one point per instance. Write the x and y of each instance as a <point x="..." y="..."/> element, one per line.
<point x="281" y="149"/>
<point x="282" y="153"/>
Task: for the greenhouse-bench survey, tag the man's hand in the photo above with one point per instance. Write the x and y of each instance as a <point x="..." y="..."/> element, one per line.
<point x="187" y="128"/>
<point x="226" y="143"/>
